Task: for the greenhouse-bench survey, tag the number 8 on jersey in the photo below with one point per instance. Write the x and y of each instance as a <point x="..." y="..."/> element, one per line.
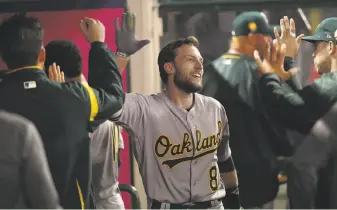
<point x="213" y="178"/>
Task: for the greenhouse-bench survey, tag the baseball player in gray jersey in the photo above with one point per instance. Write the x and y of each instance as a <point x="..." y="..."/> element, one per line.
<point x="180" y="137"/>
<point x="104" y="152"/>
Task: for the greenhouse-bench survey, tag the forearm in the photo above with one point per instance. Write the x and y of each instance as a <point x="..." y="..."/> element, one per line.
<point x="230" y="179"/>
<point x="122" y="63"/>
<point x="228" y="173"/>
<point x="105" y="77"/>
<point x="284" y="106"/>
<point x="103" y="67"/>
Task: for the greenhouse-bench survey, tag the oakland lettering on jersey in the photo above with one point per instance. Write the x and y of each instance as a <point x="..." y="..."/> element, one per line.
<point x="204" y="145"/>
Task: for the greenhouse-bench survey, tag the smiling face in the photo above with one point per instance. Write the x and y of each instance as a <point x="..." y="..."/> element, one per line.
<point x="188" y="65"/>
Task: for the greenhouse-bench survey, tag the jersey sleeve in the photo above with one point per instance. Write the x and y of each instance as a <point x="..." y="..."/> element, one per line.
<point x="39" y="185"/>
<point x="106" y="80"/>
<point x="104" y="94"/>
<point x="224" y="151"/>
<point x="134" y="113"/>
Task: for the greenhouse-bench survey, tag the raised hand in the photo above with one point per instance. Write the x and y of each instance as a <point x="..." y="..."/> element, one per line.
<point x="126" y="42"/>
<point x="288" y="36"/>
<point x="55" y="74"/>
<point x="273" y="61"/>
<point x="93" y="30"/>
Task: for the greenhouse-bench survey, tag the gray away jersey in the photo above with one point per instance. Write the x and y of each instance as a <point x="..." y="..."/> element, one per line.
<point x="104" y="150"/>
<point x="177" y="150"/>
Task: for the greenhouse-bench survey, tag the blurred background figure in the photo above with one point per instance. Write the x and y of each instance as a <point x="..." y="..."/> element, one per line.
<point x="316" y="152"/>
<point x="256" y="141"/>
<point x="301" y="109"/>
<point x="25" y="179"/>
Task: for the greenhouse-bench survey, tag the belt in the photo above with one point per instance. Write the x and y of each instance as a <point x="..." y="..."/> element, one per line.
<point x="193" y="205"/>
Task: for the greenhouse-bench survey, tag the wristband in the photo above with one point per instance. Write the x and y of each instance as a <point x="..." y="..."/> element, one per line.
<point x="122" y="55"/>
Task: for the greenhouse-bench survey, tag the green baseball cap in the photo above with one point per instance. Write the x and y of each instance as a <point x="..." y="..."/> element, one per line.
<point x="325" y="31"/>
<point x="251" y="22"/>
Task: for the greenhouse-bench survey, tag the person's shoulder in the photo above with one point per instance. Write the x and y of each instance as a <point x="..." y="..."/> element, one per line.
<point x="234" y="61"/>
<point x="231" y="58"/>
<point x="325" y="76"/>
<point x="325" y="81"/>
<point x="73" y="91"/>
<point x="143" y="97"/>
<point x="209" y="102"/>
<point x="153" y="95"/>
<point x="67" y="87"/>
<point x="11" y="121"/>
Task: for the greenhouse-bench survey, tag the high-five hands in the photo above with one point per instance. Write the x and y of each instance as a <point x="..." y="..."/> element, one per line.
<point x="288" y="36"/>
<point x="273" y="61"/>
<point x="126" y="42"/>
<point x="93" y="30"/>
<point x="55" y="74"/>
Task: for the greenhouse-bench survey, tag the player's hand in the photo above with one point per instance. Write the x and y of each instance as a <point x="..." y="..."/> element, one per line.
<point x="273" y="61"/>
<point x="126" y="42"/>
<point x="93" y="30"/>
<point x="288" y="36"/>
<point x="54" y="73"/>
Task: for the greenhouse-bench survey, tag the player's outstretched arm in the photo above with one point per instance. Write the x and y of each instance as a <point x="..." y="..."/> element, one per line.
<point x="125" y="39"/>
<point x="135" y="106"/>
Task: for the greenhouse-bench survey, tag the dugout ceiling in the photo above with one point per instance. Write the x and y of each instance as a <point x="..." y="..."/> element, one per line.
<point x="166" y="6"/>
<point x="57" y="5"/>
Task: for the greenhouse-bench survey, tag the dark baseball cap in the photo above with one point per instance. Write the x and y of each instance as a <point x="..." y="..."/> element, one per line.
<point x="325" y="31"/>
<point x="251" y="22"/>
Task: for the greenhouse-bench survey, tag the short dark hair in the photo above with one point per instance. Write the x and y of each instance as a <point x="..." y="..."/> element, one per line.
<point x="66" y="54"/>
<point x="21" y="39"/>
<point x="168" y="54"/>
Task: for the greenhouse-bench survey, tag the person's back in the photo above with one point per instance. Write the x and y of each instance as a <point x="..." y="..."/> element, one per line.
<point x="250" y="145"/>
<point x="25" y="179"/>
<point x="44" y="105"/>
<point x="104" y="150"/>
<point x="61" y="112"/>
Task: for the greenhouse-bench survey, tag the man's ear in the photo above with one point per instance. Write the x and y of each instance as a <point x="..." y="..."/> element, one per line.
<point x="169" y="68"/>
<point x="42" y="55"/>
<point x="332" y="48"/>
